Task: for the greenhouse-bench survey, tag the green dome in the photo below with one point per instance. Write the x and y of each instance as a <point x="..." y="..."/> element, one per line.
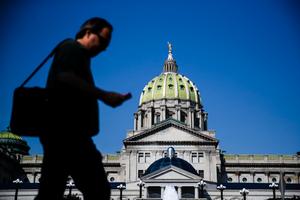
<point x="5" y="135"/>
<point x="170" y="85"/>
<point x="14" y="143"/>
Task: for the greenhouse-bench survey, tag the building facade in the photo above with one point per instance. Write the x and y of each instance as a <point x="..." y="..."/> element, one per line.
<point x="171" y="145"/>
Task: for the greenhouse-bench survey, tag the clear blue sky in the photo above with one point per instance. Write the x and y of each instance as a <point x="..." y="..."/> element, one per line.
<point x="244" y="57"/>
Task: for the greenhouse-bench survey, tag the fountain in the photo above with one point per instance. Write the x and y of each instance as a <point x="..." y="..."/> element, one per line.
<point x="170" y="193"/>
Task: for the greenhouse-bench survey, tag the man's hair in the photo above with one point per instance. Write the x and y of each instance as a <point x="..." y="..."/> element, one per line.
<point x="94" y="24"/>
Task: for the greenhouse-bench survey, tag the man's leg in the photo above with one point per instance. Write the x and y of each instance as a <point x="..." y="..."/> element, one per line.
<point x="89" y="174"/>
<point x="53" y="178"/>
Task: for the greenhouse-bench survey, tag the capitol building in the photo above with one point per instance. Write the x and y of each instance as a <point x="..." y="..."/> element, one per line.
<point x="170" y="145"/>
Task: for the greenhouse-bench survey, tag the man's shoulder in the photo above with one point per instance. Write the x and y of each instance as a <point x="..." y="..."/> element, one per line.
<point x="70" y="45"/>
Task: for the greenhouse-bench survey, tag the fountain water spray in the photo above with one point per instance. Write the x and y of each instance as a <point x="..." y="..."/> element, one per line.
<point x="170" y="193"/>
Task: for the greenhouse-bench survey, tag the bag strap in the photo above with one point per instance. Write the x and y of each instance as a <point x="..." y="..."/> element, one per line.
<point x="43" y="62"/>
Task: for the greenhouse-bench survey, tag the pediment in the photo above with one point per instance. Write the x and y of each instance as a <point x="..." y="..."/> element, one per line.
<point x="171" y="173"/>
<point x="170" y="131"/>
<point x="171" y="134"/>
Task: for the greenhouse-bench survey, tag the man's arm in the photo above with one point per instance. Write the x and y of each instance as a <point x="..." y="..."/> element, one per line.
<point x="112" y="99"/>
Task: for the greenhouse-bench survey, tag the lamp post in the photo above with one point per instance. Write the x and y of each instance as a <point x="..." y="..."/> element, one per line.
<point x="70" y="184"/>
<point x="121" y="187"/>
<point x="141" y="185"/>
<point x="17" y="182"/>
<point x="221" y="188"/>
<point x="273" y="186"/>
<point x="201" y="185"/>
<point x="244" y="193"/>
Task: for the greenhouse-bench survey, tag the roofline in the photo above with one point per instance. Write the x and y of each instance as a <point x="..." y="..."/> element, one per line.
<point x="166" y="123"/>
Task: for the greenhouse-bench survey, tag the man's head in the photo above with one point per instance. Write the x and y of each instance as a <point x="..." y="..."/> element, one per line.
<point x="95" y="35"/>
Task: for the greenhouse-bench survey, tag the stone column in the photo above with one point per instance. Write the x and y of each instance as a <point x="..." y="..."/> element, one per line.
<point x="189" y="118"/>
<point x="192" y="119"/>
<point x="163" y="113"/>
<point x="196" y="193"/>
<point x="150" y="122"/>
<point x="205" y="121"/>
<point x="238" y="176"/>
<point x="145" y="194"/>
<point x="139" y="120"/>
<point x="253" y="176"/>
<point x="162" y="189"/>
<point x="177" y="113"/>
<point x="267" y="176"/>
<point x="135" y="125"/>
<point x="179" y="192"/>
<point x="200" y="120"/>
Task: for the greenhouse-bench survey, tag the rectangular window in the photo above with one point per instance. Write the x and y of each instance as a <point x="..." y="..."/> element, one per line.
<point x="194" y="158"/>
<point x="197" y="157"/>
<point x="200" y="156"/>
<point x="147" y="157"/>
<point x="141" y="157"/>
<point x="188" y="192"/>
<point x="140" y="173"/>
<point x="201" y="173"/>
<point x="154" y="192"/>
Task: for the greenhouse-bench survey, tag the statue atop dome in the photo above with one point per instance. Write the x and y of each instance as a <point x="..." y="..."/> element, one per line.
<point x="170" y="63"/>
<point x="170" y="55"/>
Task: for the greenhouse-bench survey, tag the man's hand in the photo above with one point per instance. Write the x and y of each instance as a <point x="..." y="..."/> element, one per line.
<point x="115" y="99"/>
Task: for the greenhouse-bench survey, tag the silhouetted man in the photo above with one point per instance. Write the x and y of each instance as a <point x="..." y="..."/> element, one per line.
<point x="68" y="146"/>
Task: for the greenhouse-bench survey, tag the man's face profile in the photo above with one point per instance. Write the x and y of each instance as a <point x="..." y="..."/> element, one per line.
<point x="99" y="41"/>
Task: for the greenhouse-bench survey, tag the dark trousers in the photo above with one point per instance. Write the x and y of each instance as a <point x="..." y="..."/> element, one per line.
<point x="75" y="157"/>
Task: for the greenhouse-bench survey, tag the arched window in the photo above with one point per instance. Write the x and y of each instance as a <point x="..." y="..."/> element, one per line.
<point x="157" y="117"/>
<point x="183" y="117"/>
<point x="170" y="114"/>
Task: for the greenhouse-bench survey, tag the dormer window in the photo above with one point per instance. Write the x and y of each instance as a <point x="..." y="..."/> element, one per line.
<point x="149" y="89"/>
<point x="159" y="87"/>
<point x="170" y="86"/>
<point x="182" y="87"/>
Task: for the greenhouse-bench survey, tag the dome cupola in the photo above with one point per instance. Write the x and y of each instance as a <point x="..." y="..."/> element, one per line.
<point x="170" y="85"/>
<point x="170" y="95"/>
